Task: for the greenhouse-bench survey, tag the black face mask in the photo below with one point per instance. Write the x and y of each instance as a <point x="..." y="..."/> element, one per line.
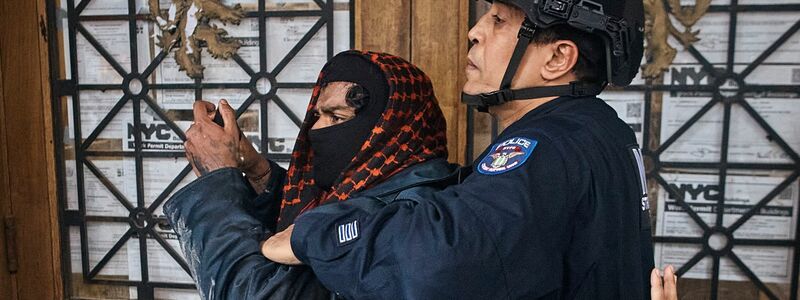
<point x="335" y="146"/>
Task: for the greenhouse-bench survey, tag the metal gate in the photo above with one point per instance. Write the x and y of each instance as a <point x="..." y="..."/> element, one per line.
<point x="119" y="123"/>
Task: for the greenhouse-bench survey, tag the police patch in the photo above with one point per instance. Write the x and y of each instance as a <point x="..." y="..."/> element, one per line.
<point x="507" y="156"/>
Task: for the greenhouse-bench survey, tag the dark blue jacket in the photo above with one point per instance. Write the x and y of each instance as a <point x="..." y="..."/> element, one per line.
<point x="220" y="222"/>
<point x="556" y="209"/>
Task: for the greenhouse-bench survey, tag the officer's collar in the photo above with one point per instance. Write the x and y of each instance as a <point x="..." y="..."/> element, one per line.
<point x="556" y="104"/>
<point x="552" y="105"/>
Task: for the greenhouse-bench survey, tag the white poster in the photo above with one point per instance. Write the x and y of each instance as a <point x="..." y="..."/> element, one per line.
<point x="756" y="31"/>
<point x="630" y="109"/>
<point x="102" y="236"/>
<point x="749" y="142"/>
<point x="161" y="266"/>
<point x="112" y="37"/>
<point x="775" y="221"/>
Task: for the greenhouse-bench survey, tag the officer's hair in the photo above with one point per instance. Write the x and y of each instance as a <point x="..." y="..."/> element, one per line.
<point x="591" y="64"/>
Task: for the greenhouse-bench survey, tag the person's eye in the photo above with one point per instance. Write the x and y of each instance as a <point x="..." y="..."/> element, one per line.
<point x="497" y="19"/>
<point x="336" y="119"/>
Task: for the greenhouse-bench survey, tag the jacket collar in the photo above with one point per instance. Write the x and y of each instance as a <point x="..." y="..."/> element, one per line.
<point x="431" y="171"/>
<point x="552" y="106"/>
<point x="555" y="105"/>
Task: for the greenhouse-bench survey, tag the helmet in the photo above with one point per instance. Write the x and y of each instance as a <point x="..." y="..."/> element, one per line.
<point x="619" y="23"/>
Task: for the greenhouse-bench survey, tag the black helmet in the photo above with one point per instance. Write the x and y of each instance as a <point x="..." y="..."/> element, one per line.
<point x="619" y="23"/>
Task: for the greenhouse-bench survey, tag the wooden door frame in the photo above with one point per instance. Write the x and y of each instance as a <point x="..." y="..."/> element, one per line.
<point x="7" y="282"/>
<point x="27" y="170"/>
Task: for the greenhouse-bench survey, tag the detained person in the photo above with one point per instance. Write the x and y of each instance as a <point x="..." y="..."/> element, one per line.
<point x="373" y="130"/>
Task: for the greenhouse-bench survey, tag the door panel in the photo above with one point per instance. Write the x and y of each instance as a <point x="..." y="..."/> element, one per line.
<point x="26" y="154"/>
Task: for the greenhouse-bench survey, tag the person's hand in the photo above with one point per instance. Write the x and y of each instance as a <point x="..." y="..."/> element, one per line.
<point x="250" y="161"/>
<point x="278" y="248"/>
<point x="254" y="166"/>
<point x="668" y="290"/>
<point x="208" y="146"/>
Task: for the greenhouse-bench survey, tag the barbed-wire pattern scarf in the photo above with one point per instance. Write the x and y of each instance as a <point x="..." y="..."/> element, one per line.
<point x="411" y="130"/>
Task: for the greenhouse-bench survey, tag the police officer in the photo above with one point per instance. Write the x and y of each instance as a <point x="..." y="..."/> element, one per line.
<point x="556" y="208"/>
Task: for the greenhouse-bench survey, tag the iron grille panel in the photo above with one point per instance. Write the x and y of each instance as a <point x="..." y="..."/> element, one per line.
<point x="85" y="155"/>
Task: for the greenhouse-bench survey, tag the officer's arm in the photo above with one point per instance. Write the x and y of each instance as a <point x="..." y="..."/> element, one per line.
<point x="467" y="241"/>
<point x="220" y="241"/>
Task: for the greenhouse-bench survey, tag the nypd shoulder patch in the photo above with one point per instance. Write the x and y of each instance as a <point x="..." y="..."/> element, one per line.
<point x="507" y="155"/>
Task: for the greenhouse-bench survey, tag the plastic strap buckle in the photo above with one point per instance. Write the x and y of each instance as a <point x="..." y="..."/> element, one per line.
<point x="577" y="89"/>
<point x="580" y="89"/>
<point x="497" y="97"/>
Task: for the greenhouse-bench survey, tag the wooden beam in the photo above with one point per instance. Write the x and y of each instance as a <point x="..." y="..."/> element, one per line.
<point x="49" y="153"/>
<point x="28" y="147"/>
<point x="7" y="281"/>
<point x="460" y="125"/>
<point x="482" y="122"/>
<point x="383" y="26"/>
<point x="438" y="46"/>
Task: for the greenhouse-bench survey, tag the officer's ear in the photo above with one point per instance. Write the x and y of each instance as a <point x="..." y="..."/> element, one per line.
<point x="560" y="59"/>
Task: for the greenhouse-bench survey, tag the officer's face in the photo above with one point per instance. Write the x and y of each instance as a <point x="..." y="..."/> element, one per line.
<point x="332" y="108"/>
<point x="494" y="38"/>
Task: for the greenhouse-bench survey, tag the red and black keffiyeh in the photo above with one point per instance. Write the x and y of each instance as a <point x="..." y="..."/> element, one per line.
<point x="411" y="130"/>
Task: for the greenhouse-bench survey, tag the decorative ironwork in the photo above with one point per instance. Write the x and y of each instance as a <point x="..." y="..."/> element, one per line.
<point x="186" y="22"/>
<point x="659" y="26"/>
<point x="142" y="220"/>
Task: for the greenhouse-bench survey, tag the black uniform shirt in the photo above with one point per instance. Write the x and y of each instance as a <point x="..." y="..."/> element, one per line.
<point x="555" y="209"/>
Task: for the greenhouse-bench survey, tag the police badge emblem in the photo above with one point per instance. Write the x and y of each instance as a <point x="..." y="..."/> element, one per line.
<point x="507" y="156"/>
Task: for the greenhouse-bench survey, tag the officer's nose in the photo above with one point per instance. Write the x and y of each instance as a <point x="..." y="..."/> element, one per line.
<point x="473" y="35"/>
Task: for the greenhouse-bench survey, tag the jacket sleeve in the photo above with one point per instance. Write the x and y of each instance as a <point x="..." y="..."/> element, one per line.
<point x="221" y="242"/>
<point x="266" y="206"/>
<point x="493" y="236"/>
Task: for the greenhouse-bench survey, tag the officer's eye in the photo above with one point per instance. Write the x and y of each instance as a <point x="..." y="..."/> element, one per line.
<point x="497" y="19"/>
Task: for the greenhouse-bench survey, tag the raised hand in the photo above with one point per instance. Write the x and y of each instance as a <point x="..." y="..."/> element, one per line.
<point x="208" y="146"/>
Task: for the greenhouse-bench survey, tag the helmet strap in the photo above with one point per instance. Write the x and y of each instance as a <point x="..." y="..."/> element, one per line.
<point x="506" y="94"/>
<point x="524" y="38"/>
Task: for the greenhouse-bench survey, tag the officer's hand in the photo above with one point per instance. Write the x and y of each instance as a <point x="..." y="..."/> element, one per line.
<point x="278" y="248"/>
<point x="668" y="290"/>
<point x="208" y="146"/>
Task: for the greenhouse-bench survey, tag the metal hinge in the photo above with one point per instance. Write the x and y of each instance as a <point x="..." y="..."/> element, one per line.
<point x="11" y="244"/>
